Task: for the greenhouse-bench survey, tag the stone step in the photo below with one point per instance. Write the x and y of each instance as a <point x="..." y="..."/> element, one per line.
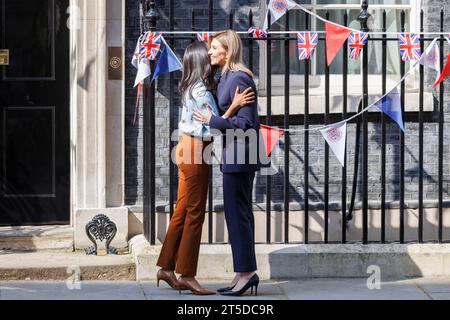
<point x="65" y="266"/>
<point x="37" y="238"/>
<point x="280" y="261"/>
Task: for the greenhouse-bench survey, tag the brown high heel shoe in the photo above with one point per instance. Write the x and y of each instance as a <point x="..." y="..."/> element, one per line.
<point x="198" y="292"/>
<point x="170" y="278"/>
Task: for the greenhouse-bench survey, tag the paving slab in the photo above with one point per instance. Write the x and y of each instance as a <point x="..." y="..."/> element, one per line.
<point x="440" y="296"/>
<point x="267" y="290"/>
<point x="88" y="290"/>
<point x="299" y="289"/>
<point x="350" y="289"/>
<point x="434" y="285"/>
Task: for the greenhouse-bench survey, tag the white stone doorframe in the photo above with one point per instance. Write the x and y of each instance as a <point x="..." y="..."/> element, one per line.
<point x="96" y="117"/>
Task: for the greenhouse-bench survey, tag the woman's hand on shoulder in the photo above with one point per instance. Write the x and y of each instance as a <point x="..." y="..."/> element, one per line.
<point x="240" y="100"/>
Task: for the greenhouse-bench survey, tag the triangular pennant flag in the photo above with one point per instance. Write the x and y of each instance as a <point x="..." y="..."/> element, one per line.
<point x="409" y="44"/>
<point x="203" y="36"/>
<point x="356" y="42"/>
<point x="167" y="62"/>
<point x="277" y="9"/>
<point x="392" y="107"/>
<point x="335" y="37"/>
<point x="141" y="64"/>
<point x="445" y="72"/>
<point x="336" y="138"/>
<point x="430" y="58"/>
<point x="271" y="136"/>
<point x="257" y="33"/>
<point x="306" y="44"/>
<point x="147" y="49"/>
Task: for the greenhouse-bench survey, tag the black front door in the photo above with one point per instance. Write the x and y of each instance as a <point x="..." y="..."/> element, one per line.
<point x="34" y="113"/>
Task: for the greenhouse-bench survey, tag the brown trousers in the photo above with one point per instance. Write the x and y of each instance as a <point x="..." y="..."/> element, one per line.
<point x="182" y="242"/>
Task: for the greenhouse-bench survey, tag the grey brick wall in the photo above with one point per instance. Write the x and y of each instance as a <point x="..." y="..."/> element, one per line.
<point x="134" y="139"/>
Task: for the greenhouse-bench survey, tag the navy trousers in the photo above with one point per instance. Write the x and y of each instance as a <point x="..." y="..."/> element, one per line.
<point x="237" y="194"/>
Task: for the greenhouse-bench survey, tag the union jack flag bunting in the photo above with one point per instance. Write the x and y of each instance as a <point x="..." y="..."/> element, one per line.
<point x="257" y="33"/>
<point x="356" y="42"/>
<point x="150" y="46"/>
<point x="409" y="46"/>
<point x="203" y="36"/>
<point x="306" y="44"/>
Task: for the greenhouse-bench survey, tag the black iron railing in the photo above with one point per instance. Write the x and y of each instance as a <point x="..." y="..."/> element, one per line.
<point x="149" y="23"/>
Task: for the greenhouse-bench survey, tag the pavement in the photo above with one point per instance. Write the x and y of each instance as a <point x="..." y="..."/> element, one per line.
<point x="303" y="289"/>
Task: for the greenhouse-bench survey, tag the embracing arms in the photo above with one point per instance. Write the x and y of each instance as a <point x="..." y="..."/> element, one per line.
<point x="242" y="105"/>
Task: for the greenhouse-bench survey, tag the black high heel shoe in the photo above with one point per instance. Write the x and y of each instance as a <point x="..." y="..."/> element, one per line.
<point x="225" y="289"/>
<point x="253" y="282"/>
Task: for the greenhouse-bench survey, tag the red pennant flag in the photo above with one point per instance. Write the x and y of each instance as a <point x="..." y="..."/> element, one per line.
<point x="335" y="37"/>
<point x="271" y="136"/>
<point x="445" y="72"/>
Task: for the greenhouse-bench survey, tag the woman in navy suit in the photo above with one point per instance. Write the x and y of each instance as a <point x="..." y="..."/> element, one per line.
<point x="240" y="156"/>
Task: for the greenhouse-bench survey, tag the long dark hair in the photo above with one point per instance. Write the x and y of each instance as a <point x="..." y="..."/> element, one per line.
<point x="196" y="67"/>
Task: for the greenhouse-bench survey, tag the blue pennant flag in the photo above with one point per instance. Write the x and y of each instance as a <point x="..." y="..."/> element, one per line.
<point x="167" y="62"/>
<point x="391" y="106"/>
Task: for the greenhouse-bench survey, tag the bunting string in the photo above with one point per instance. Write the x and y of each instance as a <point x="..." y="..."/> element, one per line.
<point x="315" y="15"/>
<point x="320" y="32"/>
<point x="152" y="45"/>
<point x="359" y="113"/>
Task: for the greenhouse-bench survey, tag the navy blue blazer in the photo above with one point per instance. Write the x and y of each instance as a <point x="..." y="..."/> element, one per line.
<point x="239" y="154"/>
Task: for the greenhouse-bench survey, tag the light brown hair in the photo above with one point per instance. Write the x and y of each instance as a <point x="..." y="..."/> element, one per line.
<point x="232" y="43"/>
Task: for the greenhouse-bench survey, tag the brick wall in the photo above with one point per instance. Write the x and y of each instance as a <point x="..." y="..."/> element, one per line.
<point x="134" y="135"/>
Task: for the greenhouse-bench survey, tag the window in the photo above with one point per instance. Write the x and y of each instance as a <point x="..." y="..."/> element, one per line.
<point x="336" y="10"/>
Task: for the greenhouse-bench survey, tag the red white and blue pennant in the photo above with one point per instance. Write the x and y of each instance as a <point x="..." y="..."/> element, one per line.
<point x="336" y="137"/>
<point x="148" y="49"/>
<point x="409" y="46"/>
<point x="257" y="33"/>
<point x="203" y="36"/>
<point x="356" y="42"/>
<point x="277" y="9"/>
<point x="306" y="44"/>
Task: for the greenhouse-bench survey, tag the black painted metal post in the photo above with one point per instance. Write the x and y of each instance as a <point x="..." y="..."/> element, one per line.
<point x="149" y="24"/>
<point x="441" y="134"/>
<point x="327" y="151"/>
<point x="306" y="145"/>
<point x="383" y="134"/>
<point x="344" y="116"/>
<point x="421" y="94"/>
<point x="268" y="113"/>
<point x="193" y="25"/>
<point x="362" y="18"/>
<point x="287" y="75"/>
<point x="230" y="19"/>
<point x="402" y="145"/>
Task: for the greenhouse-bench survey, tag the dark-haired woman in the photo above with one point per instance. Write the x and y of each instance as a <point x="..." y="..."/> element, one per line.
<point x="181" y="245"/>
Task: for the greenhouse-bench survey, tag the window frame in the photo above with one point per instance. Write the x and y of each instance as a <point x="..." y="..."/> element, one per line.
<point x="318" y="80"/>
